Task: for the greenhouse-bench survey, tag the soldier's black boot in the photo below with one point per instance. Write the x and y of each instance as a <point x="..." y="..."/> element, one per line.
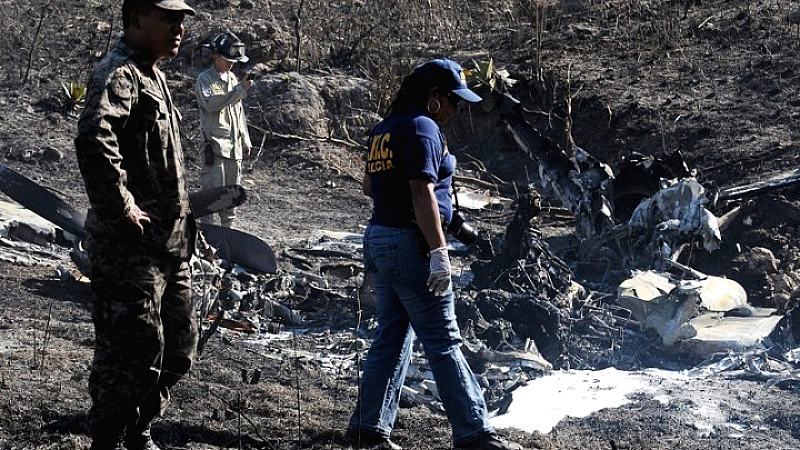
<point x="137" y="433"/>
<point x="100" y="444"/>
<point x="107" y="434"/>
<point x="139" y="440"/>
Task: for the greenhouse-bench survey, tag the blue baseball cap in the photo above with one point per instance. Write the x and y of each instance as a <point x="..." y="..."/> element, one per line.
<point x="447" y="74"/>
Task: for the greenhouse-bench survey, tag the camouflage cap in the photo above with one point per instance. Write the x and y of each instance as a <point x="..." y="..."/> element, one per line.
<point x="174" y="5"/>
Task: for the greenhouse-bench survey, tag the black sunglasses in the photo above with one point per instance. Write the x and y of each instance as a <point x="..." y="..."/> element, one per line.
<point x="453" y="98"/>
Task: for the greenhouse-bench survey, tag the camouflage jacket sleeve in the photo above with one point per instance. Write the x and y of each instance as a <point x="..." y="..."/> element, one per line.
<point x="110" y="97"/>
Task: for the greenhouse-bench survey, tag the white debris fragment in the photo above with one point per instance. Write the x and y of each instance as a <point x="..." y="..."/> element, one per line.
<point x="679" y="209"/>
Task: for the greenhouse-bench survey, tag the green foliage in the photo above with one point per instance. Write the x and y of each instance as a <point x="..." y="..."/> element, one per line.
<point x="485" y="78"/>
<point x="75" y="93"/>
<point x="486" y="74"/>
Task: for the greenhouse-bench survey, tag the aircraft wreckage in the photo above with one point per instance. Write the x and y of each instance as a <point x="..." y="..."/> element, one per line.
<point x="635" y="224"/>
<point x="232" y="245"/>
<point x="521" y="311"/>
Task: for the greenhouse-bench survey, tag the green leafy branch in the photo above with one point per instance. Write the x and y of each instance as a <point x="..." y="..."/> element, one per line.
<point x="487" y="78"/>
<point x="484" y="73"/>
<point x="75" y="93"/>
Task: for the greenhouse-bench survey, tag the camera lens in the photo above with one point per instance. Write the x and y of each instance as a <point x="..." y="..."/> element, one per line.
<point x="461" y="230"/>
<point x="466" y="234"/>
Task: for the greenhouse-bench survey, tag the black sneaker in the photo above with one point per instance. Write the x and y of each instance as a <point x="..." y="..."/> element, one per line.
<point x="362" y="440"/>
<point x="489" y="441"/>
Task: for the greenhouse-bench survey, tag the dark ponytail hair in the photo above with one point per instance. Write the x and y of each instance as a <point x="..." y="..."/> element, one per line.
<point x="414" y="91"/>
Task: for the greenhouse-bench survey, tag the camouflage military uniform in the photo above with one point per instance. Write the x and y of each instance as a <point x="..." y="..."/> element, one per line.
<point x="129" y="152"/>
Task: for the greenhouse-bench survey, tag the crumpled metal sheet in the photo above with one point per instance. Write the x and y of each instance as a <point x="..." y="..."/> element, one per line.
<point x="715" y="293"/>
<point x="703" y="315"/>
<point x="676" y="212"/>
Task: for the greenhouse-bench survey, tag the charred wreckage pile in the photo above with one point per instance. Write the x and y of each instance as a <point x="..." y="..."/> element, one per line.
<point x="529" y="304"/>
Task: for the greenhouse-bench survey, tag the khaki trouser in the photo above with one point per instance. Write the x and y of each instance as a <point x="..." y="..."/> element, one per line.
<point x="222" y="172"/>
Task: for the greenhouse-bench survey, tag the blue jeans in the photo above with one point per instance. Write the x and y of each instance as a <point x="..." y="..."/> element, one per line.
<point x="399" y="269"/>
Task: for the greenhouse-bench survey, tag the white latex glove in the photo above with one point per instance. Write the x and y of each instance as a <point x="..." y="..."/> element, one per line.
<point x="439" y="279"/>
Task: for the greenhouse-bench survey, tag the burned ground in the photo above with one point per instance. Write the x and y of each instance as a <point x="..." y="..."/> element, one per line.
<point x="619" y="78"/>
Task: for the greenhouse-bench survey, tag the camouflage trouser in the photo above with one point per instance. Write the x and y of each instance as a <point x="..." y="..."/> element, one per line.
<point x="145" y="337"/>
<point x="222" y="172"/>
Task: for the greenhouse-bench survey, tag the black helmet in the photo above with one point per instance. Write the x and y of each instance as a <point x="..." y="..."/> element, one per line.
<point x="228" y="46"/>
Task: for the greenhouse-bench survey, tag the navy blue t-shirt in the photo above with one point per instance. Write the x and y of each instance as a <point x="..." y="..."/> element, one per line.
<point x="407" y="145"/>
